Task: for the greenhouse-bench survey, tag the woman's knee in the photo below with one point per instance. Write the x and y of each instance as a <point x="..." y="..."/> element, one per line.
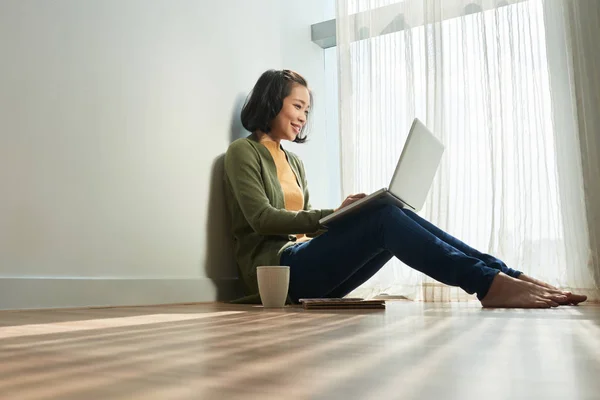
<point x="376" y="219"/>
<point x="387" y="214"/>
<point x="390" y="211"/>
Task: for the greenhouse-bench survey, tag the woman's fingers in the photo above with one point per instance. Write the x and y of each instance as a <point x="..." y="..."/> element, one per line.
<point x="351" y="199"/>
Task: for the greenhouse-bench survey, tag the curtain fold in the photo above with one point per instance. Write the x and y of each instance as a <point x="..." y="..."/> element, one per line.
<point x="506" y="87"/>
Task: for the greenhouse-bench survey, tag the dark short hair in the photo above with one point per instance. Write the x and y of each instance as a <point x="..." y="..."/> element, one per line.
<point x="266" y="100"/>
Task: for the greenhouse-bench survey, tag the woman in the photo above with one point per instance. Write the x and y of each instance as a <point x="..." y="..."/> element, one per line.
<point x="273" y="221"/>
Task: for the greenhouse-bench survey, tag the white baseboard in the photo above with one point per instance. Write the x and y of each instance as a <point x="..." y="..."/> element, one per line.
<point x="64" y="292"/>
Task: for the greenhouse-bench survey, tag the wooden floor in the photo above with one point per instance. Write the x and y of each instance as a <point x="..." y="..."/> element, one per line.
<point x="217" y="351"/>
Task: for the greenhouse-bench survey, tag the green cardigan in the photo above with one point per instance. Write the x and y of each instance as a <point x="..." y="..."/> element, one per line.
<point x="261" y="226"/>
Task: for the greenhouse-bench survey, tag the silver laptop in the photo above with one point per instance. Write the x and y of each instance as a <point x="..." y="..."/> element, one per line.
<point x="412" y="178"/>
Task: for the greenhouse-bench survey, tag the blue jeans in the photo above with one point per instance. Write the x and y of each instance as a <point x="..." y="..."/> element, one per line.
<point x="354" y="249"/>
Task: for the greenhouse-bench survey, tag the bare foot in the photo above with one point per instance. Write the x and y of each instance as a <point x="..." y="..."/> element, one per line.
<point x="508" y="292"/>
<point x="572" y="298"/>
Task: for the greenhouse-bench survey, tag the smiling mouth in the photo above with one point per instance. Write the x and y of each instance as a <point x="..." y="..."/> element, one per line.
<point x="296" y="128"/>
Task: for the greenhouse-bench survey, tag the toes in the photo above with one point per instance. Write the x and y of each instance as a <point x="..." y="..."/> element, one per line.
<point x="575" y="299"/>
<point x="557" y="292"/>
<point x="560" y="299"/>
<point x="552" y="303"/>
<point x="557" y="298"/>
<point x="578" y="297"/>
<point x="549" y="301"/>
<point x="542" y="303"/>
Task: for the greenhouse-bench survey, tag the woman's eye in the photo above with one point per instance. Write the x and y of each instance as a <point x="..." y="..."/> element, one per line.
<point x="297" y="106"/>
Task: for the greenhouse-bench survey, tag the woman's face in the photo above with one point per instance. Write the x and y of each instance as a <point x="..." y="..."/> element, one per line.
<point x="292" y="117"/>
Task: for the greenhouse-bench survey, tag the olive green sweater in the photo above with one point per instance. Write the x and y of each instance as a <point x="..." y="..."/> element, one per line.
<point x="262" y="228"/>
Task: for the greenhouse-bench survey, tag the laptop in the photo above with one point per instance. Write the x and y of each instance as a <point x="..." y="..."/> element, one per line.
<point x="412" y="178"/>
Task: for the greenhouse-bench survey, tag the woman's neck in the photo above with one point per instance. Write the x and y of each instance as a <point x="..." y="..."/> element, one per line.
<point x="265" y="137"/>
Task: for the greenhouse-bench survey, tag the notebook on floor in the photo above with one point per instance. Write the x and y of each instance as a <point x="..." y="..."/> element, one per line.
<point x="342" y="303"/>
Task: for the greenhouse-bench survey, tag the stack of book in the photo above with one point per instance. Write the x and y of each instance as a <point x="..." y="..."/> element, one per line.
<point x="343" y="303"/>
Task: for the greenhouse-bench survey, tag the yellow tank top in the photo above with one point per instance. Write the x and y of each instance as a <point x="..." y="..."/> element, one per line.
<point x="292" y="193"/>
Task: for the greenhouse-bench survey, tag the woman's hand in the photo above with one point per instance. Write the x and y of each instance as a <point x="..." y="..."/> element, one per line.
<point x="351" y="199"/>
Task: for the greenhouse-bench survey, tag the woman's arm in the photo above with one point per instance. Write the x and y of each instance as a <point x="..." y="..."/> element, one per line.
<point x="243" y="172"/>
<point x="307" y="205"/>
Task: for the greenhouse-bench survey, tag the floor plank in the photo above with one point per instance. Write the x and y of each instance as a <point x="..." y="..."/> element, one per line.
<point x="408" y="351"/>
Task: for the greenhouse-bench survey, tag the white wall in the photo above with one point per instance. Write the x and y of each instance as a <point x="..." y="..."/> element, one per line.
<point x="112" y="114"/>
<point x="320" y="153"/>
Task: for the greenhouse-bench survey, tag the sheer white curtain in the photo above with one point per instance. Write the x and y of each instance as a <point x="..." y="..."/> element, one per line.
<point x="514" y="180"/>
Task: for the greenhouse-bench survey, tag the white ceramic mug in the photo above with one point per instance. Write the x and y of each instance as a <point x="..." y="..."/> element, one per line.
<point x="273" y="283"/>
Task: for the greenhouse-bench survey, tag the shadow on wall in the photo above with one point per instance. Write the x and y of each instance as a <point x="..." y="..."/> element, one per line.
<point x="220" y="262"/>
